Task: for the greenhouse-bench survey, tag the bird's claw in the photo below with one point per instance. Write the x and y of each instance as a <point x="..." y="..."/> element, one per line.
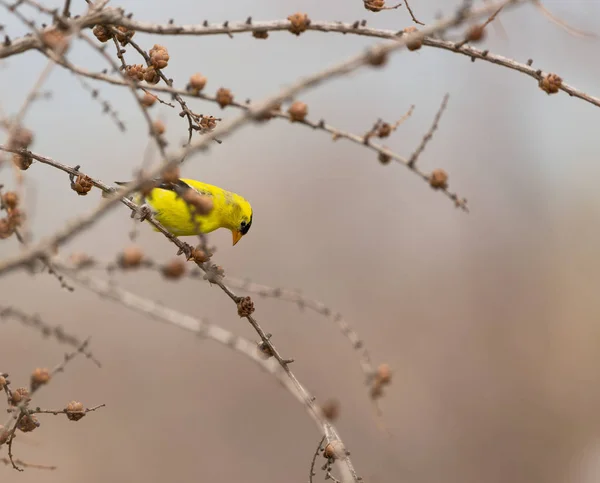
<point x="187" y="250"/>
<point x="142" y="213"/>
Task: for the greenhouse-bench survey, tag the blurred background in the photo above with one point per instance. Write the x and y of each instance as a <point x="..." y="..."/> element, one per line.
<point x="489" y="320"/>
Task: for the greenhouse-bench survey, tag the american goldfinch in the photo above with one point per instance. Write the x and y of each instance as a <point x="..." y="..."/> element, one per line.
<point x="166" y="200"/>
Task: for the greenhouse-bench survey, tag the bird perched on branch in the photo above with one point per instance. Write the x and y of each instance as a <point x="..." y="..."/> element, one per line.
<point x="187" y="207"/>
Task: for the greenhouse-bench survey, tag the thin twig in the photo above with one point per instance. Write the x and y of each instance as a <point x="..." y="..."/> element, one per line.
<point x="429" y="135"/>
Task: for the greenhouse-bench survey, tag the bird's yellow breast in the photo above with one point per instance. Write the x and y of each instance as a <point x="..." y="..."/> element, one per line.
<point x="174" y="213"/>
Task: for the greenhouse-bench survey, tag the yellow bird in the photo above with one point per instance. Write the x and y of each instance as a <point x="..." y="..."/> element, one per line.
<point x="230" y="210"/>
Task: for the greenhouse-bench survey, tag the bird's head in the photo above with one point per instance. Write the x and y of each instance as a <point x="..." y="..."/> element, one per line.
<point x="243" y="220"/>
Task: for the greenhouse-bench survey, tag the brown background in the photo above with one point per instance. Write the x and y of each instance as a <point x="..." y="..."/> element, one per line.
<point x="489" y="320"/>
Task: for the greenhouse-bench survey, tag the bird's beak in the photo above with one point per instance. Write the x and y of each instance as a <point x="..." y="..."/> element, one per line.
<point x="237" y="236"/>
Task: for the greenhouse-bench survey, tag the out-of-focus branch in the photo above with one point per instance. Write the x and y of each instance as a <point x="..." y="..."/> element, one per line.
<point x="218" y="334"/>
<point x="46" y="329"/>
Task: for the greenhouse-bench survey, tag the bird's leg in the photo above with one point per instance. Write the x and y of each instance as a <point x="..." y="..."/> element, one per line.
<point x="187" y="250"/>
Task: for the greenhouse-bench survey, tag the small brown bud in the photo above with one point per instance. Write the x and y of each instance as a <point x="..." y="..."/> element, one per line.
<point x="159" y="127"/>
<point x="299" y="22"/>
<point x="384" y="374"/>
<point x="414" y="38"/>
<point x="82" y="185"/>
<point x="124" y="34"/>
<point x="10" y="199"/>
<point x="131" y="257"/>
<point x="384" y="158"/>
<point x="28" y="423"/>
<point x="224" y="97"/>
<point x="475" y="33"/>
<point x="245" y="307"/>
<point x="550" y="83"/>
<point x="384" y="130"/>
<point x="151" y="76"/>
<point x="19" y="395"/>
<point x="375" y="5"/>
<point x="438" y="179"/>
<point x="298" y="111"/>
<point x="208" y="123"/>
<point x="102" y="33"/>
<point x="377" y="58"/>
<point x="197" y="82"/>
<point x="174" y="269"/>
<point x="22" y="161"/>
<point x="159" y="57"/>
<point x="148" y="100"/>
<point x="75" y="411"/>
<point x="39" y="378"/>
<point x="2" y="382"/>
<point x="135" y="71"/>
<point x="171" y="174"/>
<point x="331" y="409"/>
<point x="199" y="255"/>
<point x="203" y="204"/>
<point x="260" y="34"/>
<point x="335" y="450"/>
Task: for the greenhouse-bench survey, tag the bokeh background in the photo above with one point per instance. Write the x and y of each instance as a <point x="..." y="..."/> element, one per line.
<point x="490" y="320"/>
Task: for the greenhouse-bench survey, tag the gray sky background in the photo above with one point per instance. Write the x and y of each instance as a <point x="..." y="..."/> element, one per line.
<point x="490" y="320"/>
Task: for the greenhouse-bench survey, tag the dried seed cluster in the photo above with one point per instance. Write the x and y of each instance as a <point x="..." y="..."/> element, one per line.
<point x="196" y="83"/>
<point x="260" y="34"/>
<point x="82" y="185"/>
<point x="550" y="83"/>
<point x="159" y="56"/>
<point x="224" y="97"/>
<point x="299" y="22"/>
<point x="374" y="5"/>
<point x="438" y="179"/>
<point x="20" y="395"/>
<point x="298" y="111"/>
<point x="106" y="32"/>
<point x="198" y="255"/>
<point x="28" y="423"/>
<point x="75" y="411"/>
<point x="245" y="307"/>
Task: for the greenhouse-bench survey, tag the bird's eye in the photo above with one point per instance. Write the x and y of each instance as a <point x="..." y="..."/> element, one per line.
<point x="243" y="224"/>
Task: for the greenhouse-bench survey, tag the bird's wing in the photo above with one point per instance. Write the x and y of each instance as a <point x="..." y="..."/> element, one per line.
<point x="177" y="186"/>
